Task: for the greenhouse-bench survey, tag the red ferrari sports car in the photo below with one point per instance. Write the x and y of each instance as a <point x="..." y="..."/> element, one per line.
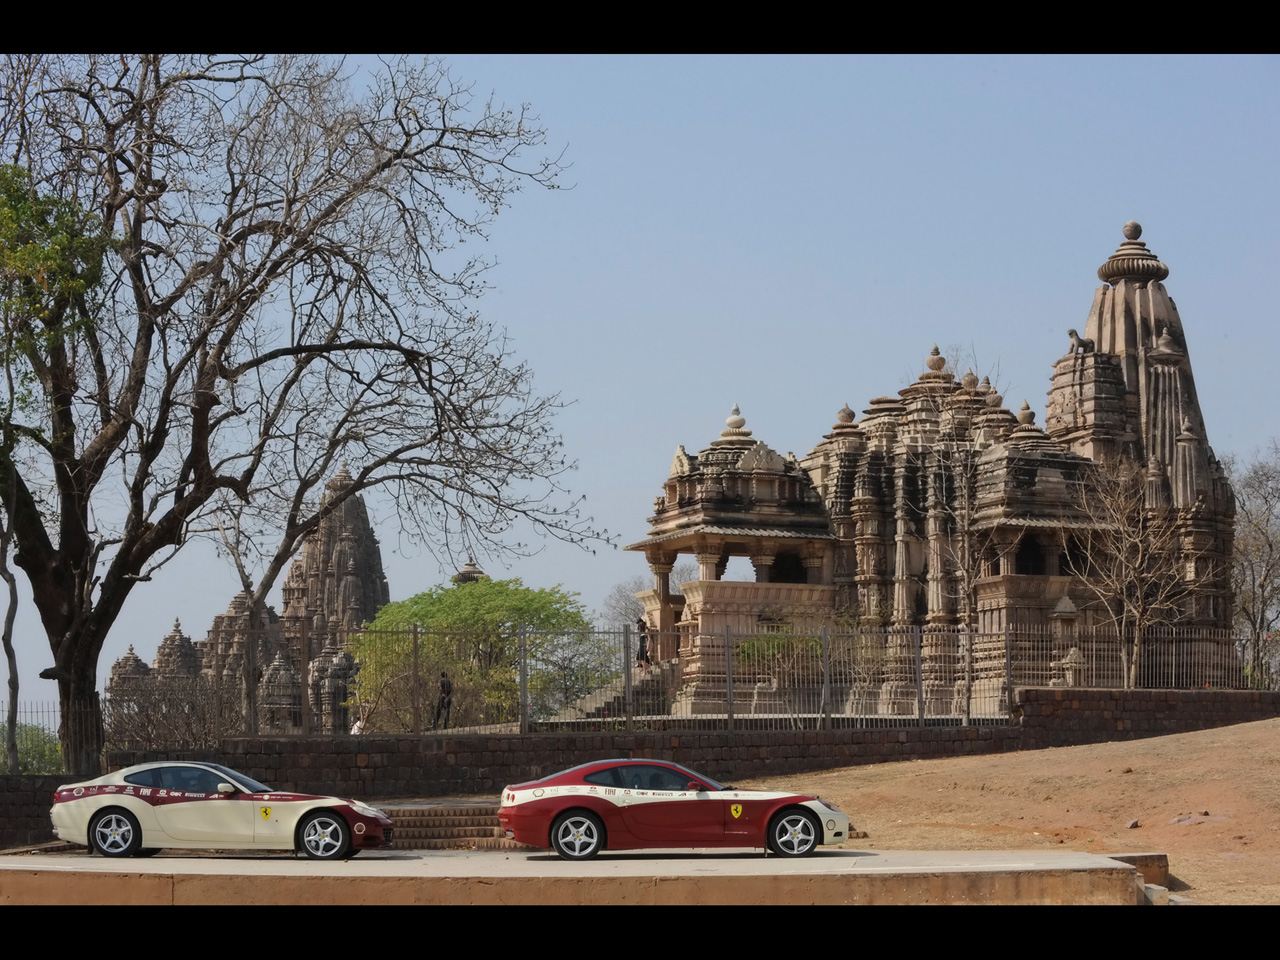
<point x="645" y="804"/>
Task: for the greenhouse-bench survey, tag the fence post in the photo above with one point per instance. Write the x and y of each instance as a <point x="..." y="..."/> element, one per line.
<point x="524" y="681"/>
<point x="626" y="678"/>
<point x="728" y="676"/>
<point x="824" y="720"/>
<point x="919" y="640"/>
<point x="416" y="686"/>
<point x="1008" y="671"/>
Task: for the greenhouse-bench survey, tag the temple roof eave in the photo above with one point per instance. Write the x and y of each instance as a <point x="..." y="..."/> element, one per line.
<point x="734" y="533"/>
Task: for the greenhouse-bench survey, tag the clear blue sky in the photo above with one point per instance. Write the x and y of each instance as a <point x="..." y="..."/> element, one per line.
<point x="791" y="233"/>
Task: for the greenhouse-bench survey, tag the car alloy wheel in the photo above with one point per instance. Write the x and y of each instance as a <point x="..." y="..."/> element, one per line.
<point x="324" y="836"/>
<point x="115" y="833"/>
<point x="794" y="834"/>
<point x="577" y="836"/>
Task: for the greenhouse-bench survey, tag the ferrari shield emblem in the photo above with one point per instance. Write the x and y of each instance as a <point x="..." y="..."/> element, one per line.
<point x="266" y="812"/>
<point x="736" y="810"/>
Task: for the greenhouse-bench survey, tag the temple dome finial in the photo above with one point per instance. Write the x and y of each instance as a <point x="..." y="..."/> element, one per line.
<point x="1132" y="260"/>
<point x="469" y="574"/>
<point x="733" y="431"/>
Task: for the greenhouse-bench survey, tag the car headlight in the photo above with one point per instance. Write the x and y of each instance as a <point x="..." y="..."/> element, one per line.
<point x="365" y="810"/>
<point x="829" y="806"/>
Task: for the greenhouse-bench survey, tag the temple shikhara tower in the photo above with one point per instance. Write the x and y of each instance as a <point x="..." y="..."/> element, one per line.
<point x="941" y="517"/>
<point x="303" y="669"/>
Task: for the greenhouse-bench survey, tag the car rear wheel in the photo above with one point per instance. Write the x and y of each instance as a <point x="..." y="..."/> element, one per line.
<point x="578" y="835"/>
<point x="323" y="836"/>
<point x="794" y="834"/>
<point x="115" y="833"/>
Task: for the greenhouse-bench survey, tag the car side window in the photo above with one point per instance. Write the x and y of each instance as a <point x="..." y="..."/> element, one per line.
<point x="646" y="777"/>
<point x="605" y="778"/>
<point x="190" y="779"/>
<point x="144" y="778"/>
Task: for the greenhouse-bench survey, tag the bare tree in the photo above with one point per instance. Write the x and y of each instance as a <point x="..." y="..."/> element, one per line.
<point x="280" y="291"/>
<point x="620" y="603"/>
<point x="182" y="713"/>
<point x="1256" y="563"/>
<point x="1128" y="553"/>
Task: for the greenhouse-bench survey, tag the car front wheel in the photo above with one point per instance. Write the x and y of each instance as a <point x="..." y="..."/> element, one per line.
<point x="793" y="834"/>
<point x="324" y="836"/>
<point x="115" y="833"/>
<point x="578" y="835"/>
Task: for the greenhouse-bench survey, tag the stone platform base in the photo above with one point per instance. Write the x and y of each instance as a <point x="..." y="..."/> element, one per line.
<point x="649" y="878"/>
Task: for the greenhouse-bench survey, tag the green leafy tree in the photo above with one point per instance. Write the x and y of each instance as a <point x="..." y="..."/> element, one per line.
<point x="784" y="666"/>
<point x="39" y="751"/>
<point x="51" y="256"/>
<point x="471" y="631"/>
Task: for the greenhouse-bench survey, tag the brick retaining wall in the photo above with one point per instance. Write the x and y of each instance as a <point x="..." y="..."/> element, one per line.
<point x="423" y="766"/>
<point x="24" y="809"/>
<point x="1063" y="717"/>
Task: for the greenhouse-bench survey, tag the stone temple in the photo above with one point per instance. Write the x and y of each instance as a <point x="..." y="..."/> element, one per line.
<point x="864" y="530"/>
<point x="335" y="585"/>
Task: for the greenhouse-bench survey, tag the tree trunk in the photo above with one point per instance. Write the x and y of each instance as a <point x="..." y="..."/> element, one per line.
<point x="11" y="659"/>
<point x="81" y="731"/>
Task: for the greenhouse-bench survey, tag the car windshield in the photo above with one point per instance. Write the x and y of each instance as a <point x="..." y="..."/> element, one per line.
<point x="252" y="785"/>
<point x="711" y="784"/>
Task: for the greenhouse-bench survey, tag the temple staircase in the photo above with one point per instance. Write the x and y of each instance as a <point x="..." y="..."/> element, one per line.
<point x="651" y="693"/>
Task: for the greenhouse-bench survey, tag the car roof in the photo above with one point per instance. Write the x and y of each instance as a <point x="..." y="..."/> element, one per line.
<point x="152" y="764"/>
<point x="598" y="764"/>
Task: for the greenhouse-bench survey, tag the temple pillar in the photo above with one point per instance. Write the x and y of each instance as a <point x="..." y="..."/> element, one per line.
<point x="813" y="570"/>
<point x="708" y="565"/>
<point x="763" y="564"/>
<point x="662" y="643"/>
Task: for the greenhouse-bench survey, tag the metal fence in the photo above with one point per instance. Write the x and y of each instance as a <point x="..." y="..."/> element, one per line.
<point x="39" y="750"/>
<point x="767" y="681"/>
<point x="415" y="681"/>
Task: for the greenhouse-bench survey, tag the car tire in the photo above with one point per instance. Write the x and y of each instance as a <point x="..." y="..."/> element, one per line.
<point x="577" y="835"/>
<point x="115" y="833"/>
<point x="151" y="852"/>
<point x="324" y="835"/>
<point x="794" y="833"/>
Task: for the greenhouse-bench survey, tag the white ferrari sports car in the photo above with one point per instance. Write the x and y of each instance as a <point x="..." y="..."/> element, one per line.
<point x="138" y="811"/>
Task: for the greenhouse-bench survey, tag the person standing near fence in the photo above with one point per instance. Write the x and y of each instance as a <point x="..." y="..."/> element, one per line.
<point x="444" y="705"/>
<point x="642" y="645"/>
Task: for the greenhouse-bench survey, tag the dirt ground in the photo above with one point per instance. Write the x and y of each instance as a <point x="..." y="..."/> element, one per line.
<point x="1210" y="800"/>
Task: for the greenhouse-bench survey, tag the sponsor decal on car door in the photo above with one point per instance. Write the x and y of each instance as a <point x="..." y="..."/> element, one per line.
<point x="681" y="816"/>
<point x="201" y="813"/>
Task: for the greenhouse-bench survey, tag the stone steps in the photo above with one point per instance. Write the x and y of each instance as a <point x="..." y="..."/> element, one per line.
<point x="449" y="828"/>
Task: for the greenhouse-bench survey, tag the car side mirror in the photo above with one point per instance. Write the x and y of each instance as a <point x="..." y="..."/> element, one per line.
<point x="695" y="786"/>
<point x="226" y="788"/>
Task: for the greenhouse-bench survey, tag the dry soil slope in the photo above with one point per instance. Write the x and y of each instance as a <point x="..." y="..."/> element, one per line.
<point x="1210" y="800"/>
